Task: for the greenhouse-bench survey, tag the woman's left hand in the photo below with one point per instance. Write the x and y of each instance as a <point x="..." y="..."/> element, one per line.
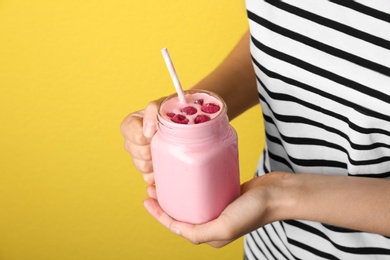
<point x="253" y="209"/>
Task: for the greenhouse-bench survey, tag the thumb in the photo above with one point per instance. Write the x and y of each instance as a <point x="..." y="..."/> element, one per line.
<point x="150" y="118"/>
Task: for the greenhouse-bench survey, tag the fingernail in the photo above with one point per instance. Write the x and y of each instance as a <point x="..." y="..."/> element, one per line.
<point x="149" y="128"/>
<point x="175" y="230"/>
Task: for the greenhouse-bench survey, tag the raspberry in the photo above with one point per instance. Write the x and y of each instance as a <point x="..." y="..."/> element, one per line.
<point x="201" y="118"/>
<point x="210" y="108"/>
<point x="199" y="101"/>
<point x="180" y="119"/>
<point x="170" y="114"/>
<point x="189" y="110"/>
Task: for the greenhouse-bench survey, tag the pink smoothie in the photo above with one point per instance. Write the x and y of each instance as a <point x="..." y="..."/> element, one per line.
<point x="199" y="108"/>
<point x="196" y="162"/>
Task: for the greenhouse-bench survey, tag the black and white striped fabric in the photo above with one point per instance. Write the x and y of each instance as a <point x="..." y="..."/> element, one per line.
<point x="323" y="73"/>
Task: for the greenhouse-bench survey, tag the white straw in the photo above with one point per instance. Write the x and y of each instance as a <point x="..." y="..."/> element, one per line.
<point x="174" y="76"/>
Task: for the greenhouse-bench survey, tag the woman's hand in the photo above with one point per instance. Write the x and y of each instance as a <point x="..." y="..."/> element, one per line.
<point x="253" y="209"/>
<point x="334" y="200"/>
<point x="138" y="129"/>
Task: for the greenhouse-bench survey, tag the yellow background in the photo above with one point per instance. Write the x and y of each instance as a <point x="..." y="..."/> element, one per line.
<point x="70" y="71"/>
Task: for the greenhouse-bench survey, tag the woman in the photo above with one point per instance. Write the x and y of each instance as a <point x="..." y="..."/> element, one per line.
<point x="321" y="70"/>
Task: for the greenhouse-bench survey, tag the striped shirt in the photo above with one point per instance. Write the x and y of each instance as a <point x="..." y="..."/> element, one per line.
<point x="323" y="75"/>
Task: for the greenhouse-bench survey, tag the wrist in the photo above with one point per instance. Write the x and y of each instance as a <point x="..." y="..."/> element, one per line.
<point x="283" y="189"/>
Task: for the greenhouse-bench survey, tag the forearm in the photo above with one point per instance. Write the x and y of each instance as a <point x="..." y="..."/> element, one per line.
<point x="234" y="79"/>
<point x="351" y="202"/>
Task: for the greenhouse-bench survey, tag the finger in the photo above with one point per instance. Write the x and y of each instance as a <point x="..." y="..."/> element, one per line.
<point x="150" y="118"/>
<point x="141" y="152"/>
<point x="158" y="213"/>
<point x="151" y="190"/>
<point x="149" y="178"/>
<point x="143" y="166"/>
<point x="139" y="113"/>
<point x="205" y="233"/>
<point x="132" y="129"/>
<point x="212" y="232"/>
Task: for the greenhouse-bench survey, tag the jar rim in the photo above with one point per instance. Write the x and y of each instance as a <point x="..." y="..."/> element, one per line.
<point x="166" y="123"/>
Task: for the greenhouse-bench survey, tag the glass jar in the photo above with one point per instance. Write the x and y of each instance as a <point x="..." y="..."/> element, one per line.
<point x="195" y="165"/>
